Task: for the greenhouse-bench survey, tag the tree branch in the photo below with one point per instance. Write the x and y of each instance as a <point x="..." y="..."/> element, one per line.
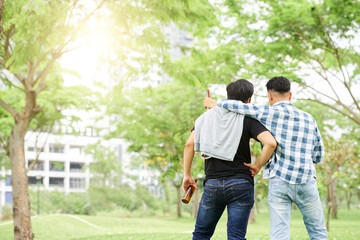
<point x="5" y="146"/>
<point x="7" y="41"/>
<point x="304" y="37"/>
<point x="352" y="96"/>
<point x="12" y="84"/>
<point x="321" y="93"/>
<point x="8" y="108"/>
<point x="18" y="76"/>
<point x="44" y="72"/>
<point x="355" y="118"/>
<point x="332" y="44"/>
<point x="36" y="160"/>
<point x="30" y="74"/>
<point x="327" y="80"/>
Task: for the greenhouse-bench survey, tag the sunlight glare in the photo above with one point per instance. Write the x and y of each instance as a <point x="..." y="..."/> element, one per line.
<point x="91" y="48"/>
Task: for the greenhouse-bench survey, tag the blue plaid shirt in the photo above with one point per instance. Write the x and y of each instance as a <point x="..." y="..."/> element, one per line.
<point x="300" y="145"/>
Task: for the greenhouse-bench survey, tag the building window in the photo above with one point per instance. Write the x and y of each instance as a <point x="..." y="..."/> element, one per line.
<point x="39" y="166"/>
<point x="74" y="149"/>
<point x="120" y="153"/>
<point x="33" y="149"/>
<point x="8" y="197"/>
<point x="57" y="166"/>
<point x="56" y="148"/>
<point x="33" y="180"/>
<point x="56" y="182"/>
<point x="77" y="183"/>
<point x="8" y="181"/>
<point x="76" y="167"/>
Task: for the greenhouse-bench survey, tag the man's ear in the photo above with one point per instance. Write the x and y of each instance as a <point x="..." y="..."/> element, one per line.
<point x="271" y="97"/>
<point x="248" y="101"/>
<point x="290" y="95"/>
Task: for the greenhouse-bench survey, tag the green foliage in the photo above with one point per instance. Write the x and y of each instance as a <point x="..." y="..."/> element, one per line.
<point x="134" y="201"/>
<point x="157" y="122"/>
<point x="341" y="153"/>
<point x="59" y="202"/>
<point x="309" y="42"/>
<point x="106" y="167"/>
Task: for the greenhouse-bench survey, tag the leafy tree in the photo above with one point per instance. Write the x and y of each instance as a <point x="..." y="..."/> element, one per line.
<point x="106" y="171"/>
<point x="338" y="153"/>
<point x="28" y="57"/>
<point x="156" y="121"/>
<point x="340" y="162"/>
<point x="105" y="167"/>
<point x="313" y="43"/>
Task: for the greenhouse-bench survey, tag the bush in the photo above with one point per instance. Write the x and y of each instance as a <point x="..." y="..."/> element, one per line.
<point x="59" y="202"/>
<point x="137" y="202"/>
<point x="6" y="212"/>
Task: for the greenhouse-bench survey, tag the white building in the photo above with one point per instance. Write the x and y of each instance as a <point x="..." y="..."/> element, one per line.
<point x="62" y="166"/>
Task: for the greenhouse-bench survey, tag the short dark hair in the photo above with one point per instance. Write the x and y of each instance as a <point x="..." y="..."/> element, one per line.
<point x="241" y="90"/>
<point x="278" y="84"/>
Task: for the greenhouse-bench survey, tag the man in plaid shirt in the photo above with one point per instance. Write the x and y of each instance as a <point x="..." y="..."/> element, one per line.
<point x="291" y="170"/>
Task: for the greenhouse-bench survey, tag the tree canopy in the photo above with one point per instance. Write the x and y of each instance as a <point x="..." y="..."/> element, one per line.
<point x="157" y="121"/>
<point x="313" y="43"/>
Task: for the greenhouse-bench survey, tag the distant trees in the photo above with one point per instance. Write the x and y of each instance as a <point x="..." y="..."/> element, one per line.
<point x="157" y="121"/>
<point x="36" y="34"/>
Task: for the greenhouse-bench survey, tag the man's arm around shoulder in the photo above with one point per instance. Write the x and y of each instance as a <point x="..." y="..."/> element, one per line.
<point x="249" y="110"/>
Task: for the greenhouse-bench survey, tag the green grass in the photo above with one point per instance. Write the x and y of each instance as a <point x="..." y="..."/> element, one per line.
<point x="62" y="227"/>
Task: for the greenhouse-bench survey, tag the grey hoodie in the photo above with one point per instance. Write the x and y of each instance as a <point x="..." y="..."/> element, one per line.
<point x="217" y="133"/>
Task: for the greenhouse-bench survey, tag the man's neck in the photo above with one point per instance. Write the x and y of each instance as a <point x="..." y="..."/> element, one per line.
<point x="279" y="100"/>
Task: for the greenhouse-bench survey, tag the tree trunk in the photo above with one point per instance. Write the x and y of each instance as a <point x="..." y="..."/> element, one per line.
<point x="19" y="182"/>
<point x="328" y="203"/>
<point x="178" y="189"/>
<point x="334" y="198"/>
<point x="256" y="201"/>
<point x="252" y="215"/>
<point x="348" y="195"/>
<point x="167" y="198"/>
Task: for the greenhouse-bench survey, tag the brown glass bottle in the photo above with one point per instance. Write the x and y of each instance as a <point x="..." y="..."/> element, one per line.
<point x="188" y="194"/>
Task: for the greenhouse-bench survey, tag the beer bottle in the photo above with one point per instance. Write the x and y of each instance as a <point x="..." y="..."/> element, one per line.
<point x="188" y="194"/>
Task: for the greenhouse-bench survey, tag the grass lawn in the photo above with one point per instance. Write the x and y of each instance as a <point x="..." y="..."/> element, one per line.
<point x="63" y="227"/>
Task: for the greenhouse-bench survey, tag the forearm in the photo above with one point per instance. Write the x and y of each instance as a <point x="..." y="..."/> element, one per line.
<point x="269" y="145"/>
<point x="265" y="155"/>
<point x="188" y="159"/>
<point x="240" y="107"/>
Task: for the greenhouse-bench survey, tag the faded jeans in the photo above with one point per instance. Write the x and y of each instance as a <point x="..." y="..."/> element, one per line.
<point x="306" y="196"/>
<point x="237" y="195"/>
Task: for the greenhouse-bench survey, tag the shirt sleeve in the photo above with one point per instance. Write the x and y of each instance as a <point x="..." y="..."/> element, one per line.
<point x="318" y="151"/>
<point x="250" y="110"/>
<point x="256" y="128"/>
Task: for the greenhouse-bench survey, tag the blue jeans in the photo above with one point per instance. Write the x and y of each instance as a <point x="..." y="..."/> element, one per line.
<point x="237" y="195"/>
<point x="306" y="196"/>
